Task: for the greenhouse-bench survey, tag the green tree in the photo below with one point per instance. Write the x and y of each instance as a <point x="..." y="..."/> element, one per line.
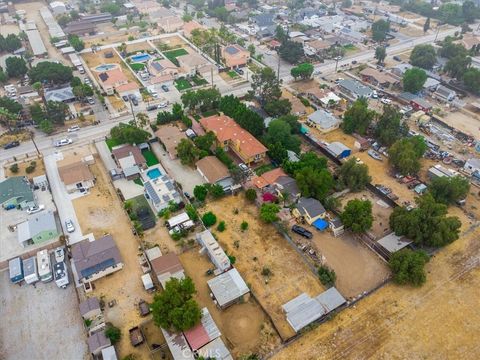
<point x="408" y="267"/>
<point x="291" y="51"/>
<point x="450" y="13"/>
<point x="449" y="49"/>
<point x="457" y="66"/>
<point x="346" y="4"/>
<point x="292" y="120"/>
<point x="389" y="127"/>
<point x="380" y="29"/>
<point x="405" y="154"/>
<point x="10" y="43"/>
<point x="279" y="107"/>
<point x="470" y="12"/>
<point x="200" y="192"/>
<point x="187" y="152"/>
<point x="76" y="42"/>
<point x="216" y="191"/>
<point x="308" y="159"/>
<point x="111" y="7"/>
<point x="471" y="79"/>
<point x="37" y="113"/>
<point x="174" y="308"/>
<point x="221" y="226"/>
<point x="303" y="71"/>
<point x="244" y="226"/>
<point x="423" y="56"/>
<point x="205" y="142"/>
<point x="251" y="195"/>
<point x="10" y="105"/>
<point x="380" y="54"/>
<point x="128" y="134"/>
<point x="358" y="117"/>
<point x="357" y="215"/>
<point x="82" y="91"/>
<point x="268" y="212"/>
<point x="281" y="132"/>
<point x="113" y="333"/>
<point x="266" y="86"/>
<point x="327" y="276"/>
<point x="427" y="224"/>
<point x="56" y="111"/>
<point x="246" y="118"/>
<point x="209" y="219"/>
<point x="313" y="182"/>
<point x="50" y="72"/>
<point x="3" y="76"/>
<point x="448" y="190"/>
<point x="280" y="34"/>
<point x="414" y="79"/>
<point x="63" y="20"/>
<point x="15" y="66"/>
<point x="353" y="175"/>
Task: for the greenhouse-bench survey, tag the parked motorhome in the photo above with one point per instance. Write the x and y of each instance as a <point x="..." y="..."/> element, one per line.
<point x="16" y="270"/>
<point x="30" y="273"/>
<point x="177" y="220"/>
<point x="44" y="266"/>
<point x="61" y="274"/>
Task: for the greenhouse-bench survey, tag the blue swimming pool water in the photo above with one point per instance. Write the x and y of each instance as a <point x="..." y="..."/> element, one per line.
<point x="154" y="173"/>
<point x="140" y="57"/>
<point x="105" y="67"/>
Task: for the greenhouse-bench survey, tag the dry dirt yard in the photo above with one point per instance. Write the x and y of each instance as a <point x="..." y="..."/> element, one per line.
<point x="22" y="165"/>
<point x="440" y="320"/>
<point x="244" y="326"/>
<point x="261" y="246"/>
<point x="101" y="212"/>
<point x="98" y="58"/>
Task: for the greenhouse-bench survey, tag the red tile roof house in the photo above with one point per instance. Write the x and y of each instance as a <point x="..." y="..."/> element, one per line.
<point x="235" y="56"/>
<point x="230" y="136"/>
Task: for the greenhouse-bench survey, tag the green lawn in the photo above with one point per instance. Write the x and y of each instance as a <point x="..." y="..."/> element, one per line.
<point x="263" y="169"/>
<point x="139" y="202"/>
<point x="182" y="84"/>
<point x="232" y="74"/>
<point x="137" y="66"/>
<point x="197" y="80"/>
<point x="112" y="143"/>
<point x="150" y="157"/>
<point x="138" y="181"/>
<point x="173" y="54"/>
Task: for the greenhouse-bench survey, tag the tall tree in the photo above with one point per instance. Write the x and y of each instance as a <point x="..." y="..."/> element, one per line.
<point x="426" y="26"/>
<point x="414" y="79"/>
<point x="357" y="215"/>
<point x="457" y="66"/>
<point x="408" y="267"/>
<point x="380" y="29"/>
<point x="354" y="176"/>
<point x="303" y="71"/>
<point x="15" y="66"/>
<point x="405" y="154"/>
<point x="313" y="182"/>
<point x="448" y="190"/>
<point x="266" y="85"/>
<point x="423" y="56"/>
<point x="280" y="131"/>
<point x="380" y="54"/>
<point x="471" y="79"/>
<point x="389" y="127"/>
<point x="358" y="117"/>
<point x="187" y="152"/>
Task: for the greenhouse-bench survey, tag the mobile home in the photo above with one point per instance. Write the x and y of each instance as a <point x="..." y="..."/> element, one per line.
<point x="44" y="266"/>
<point x="30" y="270"/>
<point x="61" y="274"/>
<point x="16" y="270"/>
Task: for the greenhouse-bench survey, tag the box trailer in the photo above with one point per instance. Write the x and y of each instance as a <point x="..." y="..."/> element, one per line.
<point x="15" y="268"/>
<point x="30" y="273"/>
<point x="177" y="220"/>
<point x="147" y="282"/>
<point x="61" y="274"/>
<point x="44" y="266"/>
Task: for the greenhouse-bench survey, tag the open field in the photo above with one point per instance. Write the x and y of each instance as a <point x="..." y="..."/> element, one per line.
<point x="138" y="47"/>
<point x="171" y="42"/>
<point x="439" y="320"/>
<point x="244" y="326"/>
<point x="22" y="165"/>
<point x="101" y="212"/>
<point x="467" y="123"/>
<point x="261" y="247"/>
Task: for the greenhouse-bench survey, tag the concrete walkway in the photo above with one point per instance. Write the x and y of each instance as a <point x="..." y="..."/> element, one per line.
<point x="105" y="155"/>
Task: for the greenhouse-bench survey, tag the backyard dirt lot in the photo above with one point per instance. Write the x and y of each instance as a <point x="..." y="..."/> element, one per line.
<point x="101" y="212"/>
<point x="259" y="249"/>
<point x="244" y="326"/>
<point x="172" y="42"/>
<point x="98" y="58"/>
<point x="437" y="321"/>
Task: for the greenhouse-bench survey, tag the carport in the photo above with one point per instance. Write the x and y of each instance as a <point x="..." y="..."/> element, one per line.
<point x="320" y="224"/>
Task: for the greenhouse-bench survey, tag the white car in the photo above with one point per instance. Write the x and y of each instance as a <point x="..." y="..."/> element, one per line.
<point x="162" y="105"/>
<point x="91" y="100"/>
<point x="73" y="128"/>
<point x="386" y="101"/>
<point x="59" y="255"/>
<point x="35" y="209"/>
<point x="63" y="142"/>
<point x="374" y="94"/>
<point x="69" y="226"/>
<point x="243" y="167"/>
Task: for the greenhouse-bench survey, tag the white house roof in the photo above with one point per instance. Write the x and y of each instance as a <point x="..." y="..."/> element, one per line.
<point x="393" y="243"/>
<point x="228" y="287"/>
<point x="323" y="119"/>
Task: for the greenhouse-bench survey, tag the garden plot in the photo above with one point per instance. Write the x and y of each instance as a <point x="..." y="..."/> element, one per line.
<point x="264" y="259"/>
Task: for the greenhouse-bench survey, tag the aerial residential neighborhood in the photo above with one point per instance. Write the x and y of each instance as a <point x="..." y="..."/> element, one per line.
<point x="227" y="179"/>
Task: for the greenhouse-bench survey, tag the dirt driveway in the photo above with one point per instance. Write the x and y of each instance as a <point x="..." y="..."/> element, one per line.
<point x="101" y="212"/>
<point x="262" y="249"/>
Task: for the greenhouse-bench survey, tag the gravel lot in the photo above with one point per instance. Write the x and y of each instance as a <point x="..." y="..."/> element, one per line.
<point x="44" y="317"/>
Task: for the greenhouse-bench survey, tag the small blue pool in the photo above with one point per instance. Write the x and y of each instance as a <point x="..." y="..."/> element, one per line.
<point x="105" y="67"/>
<point x="140" y="57"/>
<point x="154" y="173"/>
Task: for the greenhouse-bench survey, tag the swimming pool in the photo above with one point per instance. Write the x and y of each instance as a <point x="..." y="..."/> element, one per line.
<point x="105" y="67"/>
<point x="140" y="57"/>
<point x="154" y="173"/>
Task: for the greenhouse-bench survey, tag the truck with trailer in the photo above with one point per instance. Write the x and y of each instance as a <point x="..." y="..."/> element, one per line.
<point x="44" y="266"/>
<point x="178" y="223"/>
<point x="61" y="274"/>
<point x="30" y="274"/>
<point x="77" y="63"/>
<point x="15" y="267"/>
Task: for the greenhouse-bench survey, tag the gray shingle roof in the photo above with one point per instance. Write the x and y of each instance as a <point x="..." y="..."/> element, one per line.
<point x="16" y="187"/>
<point x="324" y="119"/>
<point x="311" y="206"/>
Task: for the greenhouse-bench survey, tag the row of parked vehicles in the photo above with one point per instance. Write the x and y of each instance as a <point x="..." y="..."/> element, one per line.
<point x="39" y="268"/>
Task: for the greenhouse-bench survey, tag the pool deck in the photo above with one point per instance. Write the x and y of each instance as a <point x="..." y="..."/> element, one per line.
<point x="159" y="167"/>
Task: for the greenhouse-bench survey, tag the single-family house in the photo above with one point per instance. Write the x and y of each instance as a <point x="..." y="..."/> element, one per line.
<point x="329" y="100"/>
<point x="195" y="63"/>
<point x="323" y="121"/>
<point x="92" y="260"/>
<point x="416" y="102"/>
<point x="76" y="177"/>
<point x="130" y="159"/>
<point x="339" y="150"/>
<point x="287" y="188"/>
<point x="215" y="172"/>
<point x="81" y="28"/>
<point x="235" y="56"/>
<point x="161" y="192"/>
<point x="309" y="210"/>
<point x="16" y="191"/>
<point x="228" y="288"/>
<point x="111" y="79"/>
<point x="162" y="67"/>
<point x="97" y="342"/>
<point x="471" y="166"/>
<point x="355" y="89"/>
<point x="166" y="20"/>
<point x="38" y="229"/>
<point x="431" y="84"/>
<point x="58" y="7"/>
<point x="203" y="333"/>
<point x="64" y="94"/>
<point x="170" y="136"/>
<point x="263" y="20"/>
<point x="189" y="26"/>
<point x="230" y="136"/>
<point x="316" y="47"/>
<point x="167" y="267"/>
<point x="377" y="78"/>
<point x="336" y="226"/>
<point x="214" y="251"/>
<point x="268" y="178"/>
<point x="90" y="308"/>
<point x="445" y="94"/>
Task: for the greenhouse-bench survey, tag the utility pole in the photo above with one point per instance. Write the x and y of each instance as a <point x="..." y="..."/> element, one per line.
<point x="436" y="35"/>
<point x="133" y="112"/>
<point x="34" y="143"/>
<point x="278" y="68"/>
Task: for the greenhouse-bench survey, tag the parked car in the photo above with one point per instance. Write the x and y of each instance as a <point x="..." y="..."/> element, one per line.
<point x="397" y="58"/>
<point x="413" y="184"/>
<point x="302" y="231"/>
<point x="73" y="128"/>
<point x="11" y="145"/>
<point x="152" y="107"/>
<point x="372" y="153"/>
<point x="239" y="71"/>
<point x="386" y="101"/>
<point x="374" y="94"/>
<point x="162" y="105"/>
<point x="63" y="142"/>
<point x="133" y="98"/>
<point x="243" y="167"/>
<point x="35" y="209"/>
<point x="59" y="255"/>
<point x="91" y="100"/>
<point x="354" y="62"/>
<point x="69" y="225"/>
<point x="337" y="58"/>
<point x="125" y="98"/>
<point x="164" y="88"/>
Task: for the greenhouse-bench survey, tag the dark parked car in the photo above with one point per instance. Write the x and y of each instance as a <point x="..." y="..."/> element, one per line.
<point x="134" y="99"/>
<point x="302" y="231"/>
<point x="239" y="71"/>
<point x="164" y="88"/>
<point x="11" y="145"/>
<point x="125" y="98"/>
<point x="397" y="58"/>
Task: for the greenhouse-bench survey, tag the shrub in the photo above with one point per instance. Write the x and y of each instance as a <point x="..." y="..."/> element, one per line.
<point x="209" y="219"/>
<point x="251" y="195"/>
<point x="113" y="333"/>
<point x="14" y="168"/>
<point x="327" y="276"/>
<point x="191" y="212"/>
<point x="217" y="191"/>
<point x="266" y="271"/>
<point x="200" y="192"/>
<point x="221" y="226"/>
<point x="268" y="212"/>
<point x="244" y="225"/>
<point x="30" y="169"/>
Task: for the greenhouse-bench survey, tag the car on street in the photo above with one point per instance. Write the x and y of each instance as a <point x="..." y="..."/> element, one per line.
<point x="354" y="62"/>
<point x="91" y="100"/>
<point x="133" y="99"/>
<point x="69" y="225"/>
<point x="152" y="107"/>
<point x="397" y="58"/>
<point x="73" y="128"/>
<point x="338" y="58"/>
<point x="63" y="142"/>
<point x="164" y="88"/>
<point x="300" y="230"/>
<point x="11" y="145"/>
<point x="372" y="153"/>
